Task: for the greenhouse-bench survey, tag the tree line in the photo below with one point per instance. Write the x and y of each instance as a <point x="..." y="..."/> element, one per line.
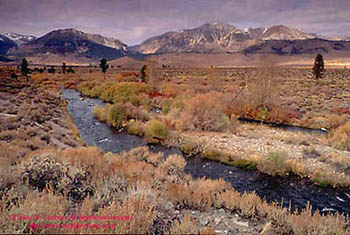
<point x="317" y="69"/>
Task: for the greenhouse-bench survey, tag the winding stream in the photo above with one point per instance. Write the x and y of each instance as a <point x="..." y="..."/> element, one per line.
<point x="292" y="188"/>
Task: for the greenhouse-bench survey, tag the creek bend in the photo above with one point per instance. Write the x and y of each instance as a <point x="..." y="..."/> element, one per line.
<point x="291" y="189"/>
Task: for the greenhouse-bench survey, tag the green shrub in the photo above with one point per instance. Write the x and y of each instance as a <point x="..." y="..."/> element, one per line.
<point x="117" y="115"/>
<point x="178" y="103"/>
<point x="133" y="92"/>
<point x="85" y="88"/>
<point x="212" y="154"/>
<point x="96" y="91"/>
<point x="216" y="155"/>
<point x="275" y="163"/>
<point x="190" y="148"/>
<point x="136" y="128"/>
<point x="107" y="93"/>
<point x="245" y="164"/>
<point x="100" y="113"/>
<point x="321" y="182"/>
<point x="156" y="131"/>
<point x="166" y="105"/>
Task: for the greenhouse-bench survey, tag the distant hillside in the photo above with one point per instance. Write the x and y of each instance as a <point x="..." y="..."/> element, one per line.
<point x="299" y="47"/>
<point x="217" y="38"/>
<point x="20" y="39"/>
<point x="73" y="44"/>
<point x="6" y="44"/>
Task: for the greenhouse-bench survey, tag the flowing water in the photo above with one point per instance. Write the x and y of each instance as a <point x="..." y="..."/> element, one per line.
<point x="290" y="189"/>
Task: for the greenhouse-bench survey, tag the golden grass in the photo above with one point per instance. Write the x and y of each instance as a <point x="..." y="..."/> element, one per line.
<point x="156" y="131"/>
<point x="187" y="225"/>
<point x="133" y="183"/>
<point x="35" y="203"/>
<point x="148" y="177"/>
<point x="340" y="138"/>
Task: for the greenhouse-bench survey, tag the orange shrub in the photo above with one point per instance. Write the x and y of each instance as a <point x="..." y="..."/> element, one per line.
<point x="204" y="112"/>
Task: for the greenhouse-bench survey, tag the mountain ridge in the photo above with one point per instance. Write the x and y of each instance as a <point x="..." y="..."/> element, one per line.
<point x="72" y="43"/>
<point x="217" y="38"/>
<point x="77" y="46"/>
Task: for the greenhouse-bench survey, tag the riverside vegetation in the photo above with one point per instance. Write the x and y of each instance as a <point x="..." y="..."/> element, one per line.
<point x="200" y="114"/>
<point x="43" y="157"/>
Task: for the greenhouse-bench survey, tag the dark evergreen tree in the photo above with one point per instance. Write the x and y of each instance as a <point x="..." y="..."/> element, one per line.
<point x="14" y="76"/>
<point x="51" y="70"/>
<point x="143" y="73"/>
<point x="64" y="68"/>
<point x="24" y="68"/>
<point x="70" y="70"/>
<point x="104" y="66"/>
<point x="318" y="66"/>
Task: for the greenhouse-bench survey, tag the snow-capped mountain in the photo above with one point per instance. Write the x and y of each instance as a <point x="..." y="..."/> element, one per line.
<point x="72" y="43"/>
<point x="19" y="39"/>
<point x="217" y="38"/>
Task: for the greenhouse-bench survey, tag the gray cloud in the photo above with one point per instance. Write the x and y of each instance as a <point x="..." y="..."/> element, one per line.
<point x="132" y="21"/>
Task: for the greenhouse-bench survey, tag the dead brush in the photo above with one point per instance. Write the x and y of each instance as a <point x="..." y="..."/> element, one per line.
<point x="307" y="222"/>
<point x="41" y="170"/>
<point x="35" y="203"/>
<point x="143" y="154"/>
<point x="174" y="163"/>
<point x="91" y="159"/>
<point x="334" y="121"/>
<point x="199" y="194"/>
<point x="136" y="128"/>
<point x="249" y="204"/>
<point x="340" y="138"/>
<point x="275" y="163"/>
<point x="140" y="212"/>
<point x="187" y="225"/>
<point x="204" y="112"/>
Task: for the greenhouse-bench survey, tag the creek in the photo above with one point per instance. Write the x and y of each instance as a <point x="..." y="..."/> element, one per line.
<point x="290" y="189"/>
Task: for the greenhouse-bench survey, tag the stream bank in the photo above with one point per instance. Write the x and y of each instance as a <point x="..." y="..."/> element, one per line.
<point x="287" y="189"/>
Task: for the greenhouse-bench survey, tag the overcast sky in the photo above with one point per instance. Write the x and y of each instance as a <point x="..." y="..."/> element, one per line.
<point x="133" y="21"/>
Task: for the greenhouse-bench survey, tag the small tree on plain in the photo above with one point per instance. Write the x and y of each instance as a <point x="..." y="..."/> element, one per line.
<point x="318" y="66"/>
<point x="104" y="66"/>
<point x="51" y="70"/>
<point x="64" y="67"/>
<point x="70" y="70"/>
<point x="14" y="76"/>
<point x="24" y="68"/>
<point x="143" y="73"/>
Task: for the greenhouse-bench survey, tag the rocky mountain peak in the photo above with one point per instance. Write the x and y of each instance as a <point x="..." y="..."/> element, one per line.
<point x="281" y="32"/>
<point x="19" y="39"/>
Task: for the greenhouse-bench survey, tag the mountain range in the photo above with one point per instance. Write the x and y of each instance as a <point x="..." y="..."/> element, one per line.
<point x="74" y="46"/>
<point x="216" y="38"/>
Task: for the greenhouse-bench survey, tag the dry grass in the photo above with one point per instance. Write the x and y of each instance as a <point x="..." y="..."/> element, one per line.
<point x="133" y="183"/>
<point x="133" y="92"/>
<point x="335" y="120"/>
<point x="340" y="138"/>
<point x="35" y="203"/>
<point x="156" y="131"/>
<point x="136" y="128"/>
<point x="205" y="112"/>
<point x="198" y="193"/>
<point x="275" y="163"/>
<point x="186" y="226"/>
<point x="118" y="114"/>
<point x="143" y="179"/>
<point x="138" y="208"/>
